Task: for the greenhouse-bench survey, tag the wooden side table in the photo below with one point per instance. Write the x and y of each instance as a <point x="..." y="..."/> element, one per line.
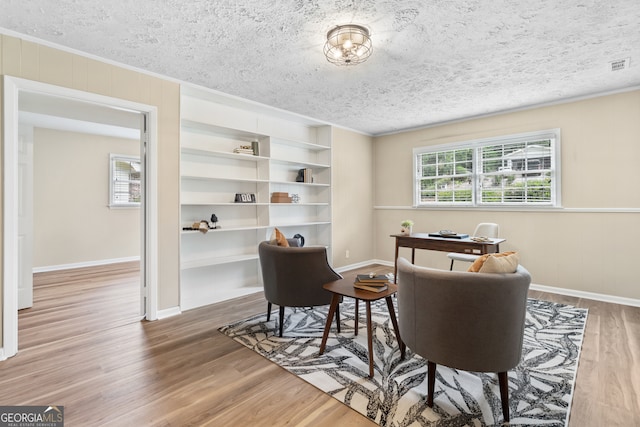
<point x="344" y="288"/>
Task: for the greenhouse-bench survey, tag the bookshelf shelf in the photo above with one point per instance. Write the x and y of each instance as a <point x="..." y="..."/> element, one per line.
<point x="223" y="263"/>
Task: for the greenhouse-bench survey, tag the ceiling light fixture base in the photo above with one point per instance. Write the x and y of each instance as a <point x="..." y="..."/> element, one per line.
<point x="348" y="44"/>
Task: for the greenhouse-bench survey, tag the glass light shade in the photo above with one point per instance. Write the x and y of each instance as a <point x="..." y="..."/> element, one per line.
<point x="348" y="45"/>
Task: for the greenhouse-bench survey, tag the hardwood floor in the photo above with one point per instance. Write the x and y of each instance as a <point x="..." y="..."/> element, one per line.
<point x="83" y="346"/>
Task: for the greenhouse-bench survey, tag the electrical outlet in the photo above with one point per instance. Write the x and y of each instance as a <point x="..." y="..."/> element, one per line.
<point x="346" y="254"/>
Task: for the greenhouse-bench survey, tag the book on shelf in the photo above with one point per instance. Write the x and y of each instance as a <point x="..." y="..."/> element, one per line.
<point x="366" y="278"/>
<point x="305" y="175"/>
<point x="245" y="149"/>
<point x="370" y="288"/>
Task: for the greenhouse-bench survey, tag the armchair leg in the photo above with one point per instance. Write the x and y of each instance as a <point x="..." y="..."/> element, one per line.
<point x="451" y="266"/>
<point x="281" y="319"/>
<point x="431" y="382"/>
<point x="503" y="380"/>
<point x="338" y="318"/>
<point x="268" y="311"/>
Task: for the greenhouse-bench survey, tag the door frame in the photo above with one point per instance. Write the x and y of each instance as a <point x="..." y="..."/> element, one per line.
<point x="12" y="86"/>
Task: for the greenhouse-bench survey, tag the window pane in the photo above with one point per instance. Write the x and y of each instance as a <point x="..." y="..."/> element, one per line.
<point x="446" y="176"/>
<point x="125" y="184"/>
<point x="516" y="171"/>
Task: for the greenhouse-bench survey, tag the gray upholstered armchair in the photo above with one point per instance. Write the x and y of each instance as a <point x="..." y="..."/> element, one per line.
<point x="468" y="321"/>
<point x="293" y="277"/>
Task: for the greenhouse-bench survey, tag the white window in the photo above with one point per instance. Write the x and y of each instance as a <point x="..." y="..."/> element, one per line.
<point x="503" y="171"/>
<point x="124" y="179"/>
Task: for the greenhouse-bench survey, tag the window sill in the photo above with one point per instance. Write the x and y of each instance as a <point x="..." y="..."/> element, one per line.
<point x="125" y="206"/>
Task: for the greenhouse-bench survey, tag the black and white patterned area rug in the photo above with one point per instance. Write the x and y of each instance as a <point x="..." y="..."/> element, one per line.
<point x="540" y="387"/>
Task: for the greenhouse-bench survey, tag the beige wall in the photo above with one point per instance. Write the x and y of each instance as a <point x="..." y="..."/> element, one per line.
<point x="352" y="198"/>
<point x="32" y="61"/>
<point x="72" y="222"/>
<point x="589" y="245"/>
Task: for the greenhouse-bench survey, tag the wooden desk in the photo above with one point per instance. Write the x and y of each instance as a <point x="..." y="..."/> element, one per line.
<point x="424" y="241"/>
<point x="344" y="287"/>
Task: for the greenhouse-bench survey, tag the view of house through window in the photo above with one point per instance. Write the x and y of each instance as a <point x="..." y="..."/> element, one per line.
<point x="125" y="188"/>
<point x="510" y="170"/>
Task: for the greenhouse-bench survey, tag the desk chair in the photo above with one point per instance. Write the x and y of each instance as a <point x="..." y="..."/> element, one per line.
<point x="484" y="229"/>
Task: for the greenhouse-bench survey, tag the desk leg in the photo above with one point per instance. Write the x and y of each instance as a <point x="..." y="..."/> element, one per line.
<point x="332" y="310"/>
<point x="394" y="322"/>
<point x="395" y="264"/>
<point x="370" y="338"/>
<point x="413" y="255"/>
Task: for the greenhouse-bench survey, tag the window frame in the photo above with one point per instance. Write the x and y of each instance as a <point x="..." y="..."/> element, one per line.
<point x="477" y="172"/>
<point x="113" y="159"/>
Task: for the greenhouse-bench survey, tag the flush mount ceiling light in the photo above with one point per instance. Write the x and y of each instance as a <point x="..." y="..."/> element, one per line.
<point x="348" y="45"/>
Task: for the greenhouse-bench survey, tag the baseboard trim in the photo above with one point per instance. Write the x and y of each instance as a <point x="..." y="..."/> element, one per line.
<point x="84" y="264"/>
<point x="587" y="295"/>
<point x="356" y="265"/>
<point x="613" y="299"/>
<point x="168" y="312"/>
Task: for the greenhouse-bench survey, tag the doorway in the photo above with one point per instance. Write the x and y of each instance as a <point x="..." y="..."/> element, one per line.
<point x="17" y="92"/>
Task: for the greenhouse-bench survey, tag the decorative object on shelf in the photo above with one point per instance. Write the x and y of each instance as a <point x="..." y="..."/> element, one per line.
<point x="300" y="238"/>
<point x="245" y="198"/>
<point x="406" y="227"/>
<point x="348" y="45"/>
<point x="244" y="149"/>
<point x="305" y="175"/>
<point x="255" y="146"/>
<point x="280" y="197"/>
<point x="203" y="225"/>
<point x="295" y="198"/>
<point x="214" y="221"/>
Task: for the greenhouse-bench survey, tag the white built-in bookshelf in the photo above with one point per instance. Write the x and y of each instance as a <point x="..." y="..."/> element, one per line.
<point x="223" y="263"/>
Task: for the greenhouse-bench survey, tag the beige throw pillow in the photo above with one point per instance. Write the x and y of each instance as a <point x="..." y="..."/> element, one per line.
<point x="279" y="238"/>
<point x="504" y="262"/>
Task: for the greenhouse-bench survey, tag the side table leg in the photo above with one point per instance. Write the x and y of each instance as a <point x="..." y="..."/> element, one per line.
<point x="332" y="310"/>
<point x="356" y="318"/>
<point x="396" y="329"/>
<point x="370" y="338"/>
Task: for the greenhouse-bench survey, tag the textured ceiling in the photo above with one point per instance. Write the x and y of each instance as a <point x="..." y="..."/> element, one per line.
<point x="433" y="61"/>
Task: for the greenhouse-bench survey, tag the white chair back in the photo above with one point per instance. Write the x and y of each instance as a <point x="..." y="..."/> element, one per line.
<point x="487" y="229"/>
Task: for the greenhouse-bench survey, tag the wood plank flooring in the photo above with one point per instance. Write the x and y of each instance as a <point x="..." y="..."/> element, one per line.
<point x="84" y="346"/>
